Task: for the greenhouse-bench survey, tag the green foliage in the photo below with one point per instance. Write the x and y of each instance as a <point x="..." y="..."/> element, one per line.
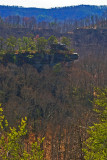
<point x="12" y="143"/>
<point x="3" y="121"/>
<point x="65" y="41"/>
<point x="19" y="44"/>
<point x="11" y="44"/>
<point x="1" y="43"/>
<point x="57" y="67"/>
<point x="26" y="43"/>
<point x="101" y="103"/>
<point x="30" y="56"/>
<point x="32" y="44"/>
<point x="41" y="44"/>
<point x="52" y="39"/>
<point x="96" y="144"/>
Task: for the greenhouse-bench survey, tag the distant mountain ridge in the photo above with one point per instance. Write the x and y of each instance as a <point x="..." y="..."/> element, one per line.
<point x="61" y="14"/>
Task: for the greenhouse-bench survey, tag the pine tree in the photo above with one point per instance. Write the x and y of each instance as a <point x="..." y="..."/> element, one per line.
<point x="96" y="145"/>
<point x="12" y="142"/>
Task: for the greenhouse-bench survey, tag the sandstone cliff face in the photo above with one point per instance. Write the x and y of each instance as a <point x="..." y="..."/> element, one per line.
<point x="39" y="60"/>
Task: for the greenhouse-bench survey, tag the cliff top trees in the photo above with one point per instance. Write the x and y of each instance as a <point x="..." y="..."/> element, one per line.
<point x="65" y="41"/>
<point x="11" y="44"/>
<point x="52" y="39"/>
<point x="41" y="44"/>
<point x="1" y="43"/>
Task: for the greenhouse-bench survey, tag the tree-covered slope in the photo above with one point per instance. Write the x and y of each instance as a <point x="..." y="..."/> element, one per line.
<point x="73" y="12"/>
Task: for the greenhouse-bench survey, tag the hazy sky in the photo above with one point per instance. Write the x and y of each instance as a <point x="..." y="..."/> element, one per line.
<point x="51" y="3"/>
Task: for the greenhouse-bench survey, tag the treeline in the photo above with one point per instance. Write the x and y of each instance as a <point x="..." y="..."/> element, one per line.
<point x="31" y="22"/>
<point x="92" y="21"/>
<point x="37" y="51"/>
<point x="29" y="44"/>
<point x="61" y="13"/>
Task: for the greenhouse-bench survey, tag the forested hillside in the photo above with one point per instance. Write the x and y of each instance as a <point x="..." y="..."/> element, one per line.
<point x="39" y="80"/>
<point x="64" y="13"/>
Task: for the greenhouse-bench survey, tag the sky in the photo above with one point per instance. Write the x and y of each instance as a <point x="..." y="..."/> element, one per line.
<point x="51" y="3"/>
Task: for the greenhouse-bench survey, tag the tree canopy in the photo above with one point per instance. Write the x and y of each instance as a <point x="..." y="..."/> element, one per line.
<point x="12" y="142"/>
<point x="96" y="144"/>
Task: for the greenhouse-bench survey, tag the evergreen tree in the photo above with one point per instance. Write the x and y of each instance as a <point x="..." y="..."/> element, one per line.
<point x="12" y="142"/>
<point x="96" y="144"/>
<point x="41" y="44"/>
